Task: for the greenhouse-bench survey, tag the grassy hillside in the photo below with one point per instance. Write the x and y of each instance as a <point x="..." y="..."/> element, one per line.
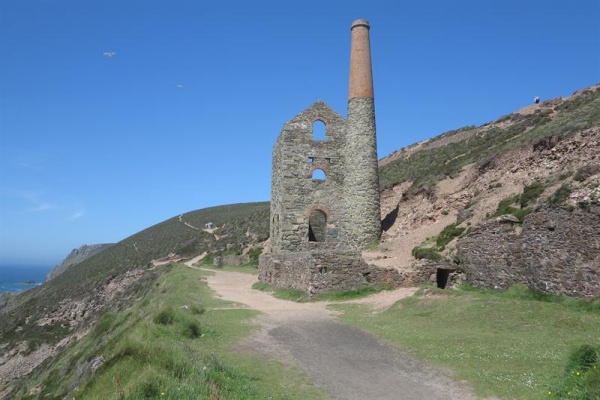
<point x="232" y="223"/>
<point x="448" y="153"/>
<point x="177" y="343"/>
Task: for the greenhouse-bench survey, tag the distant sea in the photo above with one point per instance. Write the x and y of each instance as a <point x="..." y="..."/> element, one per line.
<point x="16" y="278"/>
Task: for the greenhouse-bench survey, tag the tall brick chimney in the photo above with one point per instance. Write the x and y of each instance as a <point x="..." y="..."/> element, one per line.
<point x="362" y="172"/>
<point x="361" y="77"/>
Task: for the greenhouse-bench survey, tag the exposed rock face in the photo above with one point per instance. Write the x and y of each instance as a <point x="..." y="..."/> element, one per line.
<point x="555" y="251"/>
<point x="75" y="257"/>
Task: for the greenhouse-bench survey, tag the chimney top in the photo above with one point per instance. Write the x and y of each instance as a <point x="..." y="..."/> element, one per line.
<point x="360" y="22"/>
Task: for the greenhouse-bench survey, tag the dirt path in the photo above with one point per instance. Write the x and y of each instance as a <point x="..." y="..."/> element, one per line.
<point x="347" y="362"/>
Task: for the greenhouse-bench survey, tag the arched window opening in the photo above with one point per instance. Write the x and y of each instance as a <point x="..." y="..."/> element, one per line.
<point x="319" y="130"/>
<point x="319" y="175"/>
<point x="317" y="226"/>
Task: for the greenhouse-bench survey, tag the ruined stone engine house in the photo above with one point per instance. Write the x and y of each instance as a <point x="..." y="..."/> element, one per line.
<point x="325" y="204"/>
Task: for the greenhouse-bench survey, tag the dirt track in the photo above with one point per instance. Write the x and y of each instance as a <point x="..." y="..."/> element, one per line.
<point x="348" y="363"/>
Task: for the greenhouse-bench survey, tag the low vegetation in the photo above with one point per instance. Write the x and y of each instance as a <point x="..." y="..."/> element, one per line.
<point x="561" y="195"/>
<point x="581" y="378"/>
<point x="431" y="249"/>
<point x="426" y="253"/>
<point x="524" y="201"/>
<point x="301" y="297"/>
<point x="512" y="344"/>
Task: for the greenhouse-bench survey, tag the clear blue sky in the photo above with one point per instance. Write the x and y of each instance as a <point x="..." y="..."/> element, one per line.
<point x="184" y="115"/>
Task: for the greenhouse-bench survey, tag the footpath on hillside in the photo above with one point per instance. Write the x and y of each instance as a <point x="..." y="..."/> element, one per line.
<point x="347" y="362"/>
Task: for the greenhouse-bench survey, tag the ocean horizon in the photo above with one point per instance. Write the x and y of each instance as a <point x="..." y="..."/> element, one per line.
<point x="17" y="278"/>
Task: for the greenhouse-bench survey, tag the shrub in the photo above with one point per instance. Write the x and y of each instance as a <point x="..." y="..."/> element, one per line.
<point x="427" y="253"/>
<point x="254" y="253"/>
<point x="192" y="330"/>
<point x="564" y="175"/>
<point x="531" y="193"/>
<point x="561" y="195"/>
<point x="165" y="317"/>
<point x="505" y="207"/>
<point x="585" y="172"/>
<point x="583" y="358"/>
<point x="447" y="234"/>
<point x="581" y="379"/>
<point x="197" y="310"/>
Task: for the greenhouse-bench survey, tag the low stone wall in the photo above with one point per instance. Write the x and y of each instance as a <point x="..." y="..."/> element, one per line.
<point x="316" y="272"/>
<point x="555" y="251"/>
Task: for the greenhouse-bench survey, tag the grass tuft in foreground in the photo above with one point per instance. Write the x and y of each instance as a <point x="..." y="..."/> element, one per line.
<point x="581" y="379"/>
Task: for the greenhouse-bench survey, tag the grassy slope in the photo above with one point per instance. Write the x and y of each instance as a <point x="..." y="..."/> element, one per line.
<point x="504" y="344"/>
<point x="178" y="342"/>
<point x="171" y="236"/>
<point x="428" y="166"/>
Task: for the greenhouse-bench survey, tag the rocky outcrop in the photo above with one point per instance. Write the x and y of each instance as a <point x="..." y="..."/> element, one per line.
<point x="555" y="251"/>
<point x="75" y="257"/>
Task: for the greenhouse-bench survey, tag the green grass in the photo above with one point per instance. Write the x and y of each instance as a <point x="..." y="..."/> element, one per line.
<point x="301" y="297"/>
<point x="561" y="195"/>
<point x="581" y="378"/>
<point x="262" y="286"/>
<point x="178" y="342"/>
<point x="430" y="249"/>
<point x="513" y="344"/>
<point x="347" y="294"/>
<point x="531" y="193"/>
<point x="447" y="234"/>
<point x="427" y="253"/>
<point x="298" y="296"/>
<point x="244" y="269"/>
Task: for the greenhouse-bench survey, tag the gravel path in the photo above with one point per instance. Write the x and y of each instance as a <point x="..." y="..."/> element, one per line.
<point x="347" y="362"/>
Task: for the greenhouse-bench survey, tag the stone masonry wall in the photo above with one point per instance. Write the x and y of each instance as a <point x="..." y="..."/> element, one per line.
<point x="555" y="251"/>
<point x="316" y="272"/>
<point x="294" y="194"/>
<point x="362" y="200"/>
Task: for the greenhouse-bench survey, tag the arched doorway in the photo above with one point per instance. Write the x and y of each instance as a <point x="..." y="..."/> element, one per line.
<point x="317" y="226"/>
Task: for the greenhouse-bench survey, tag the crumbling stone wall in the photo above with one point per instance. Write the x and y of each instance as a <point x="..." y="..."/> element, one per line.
<point x="555" y="251"/>
<point x="294" y="194"/>
<point x="319" y="271"/>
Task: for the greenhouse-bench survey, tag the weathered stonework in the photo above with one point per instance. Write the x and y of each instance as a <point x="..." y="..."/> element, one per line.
<point x="555" y="251"/>
<point x="320" y="271"/>
<point x="319" y="225"/>
<point x="295" y="195"/>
